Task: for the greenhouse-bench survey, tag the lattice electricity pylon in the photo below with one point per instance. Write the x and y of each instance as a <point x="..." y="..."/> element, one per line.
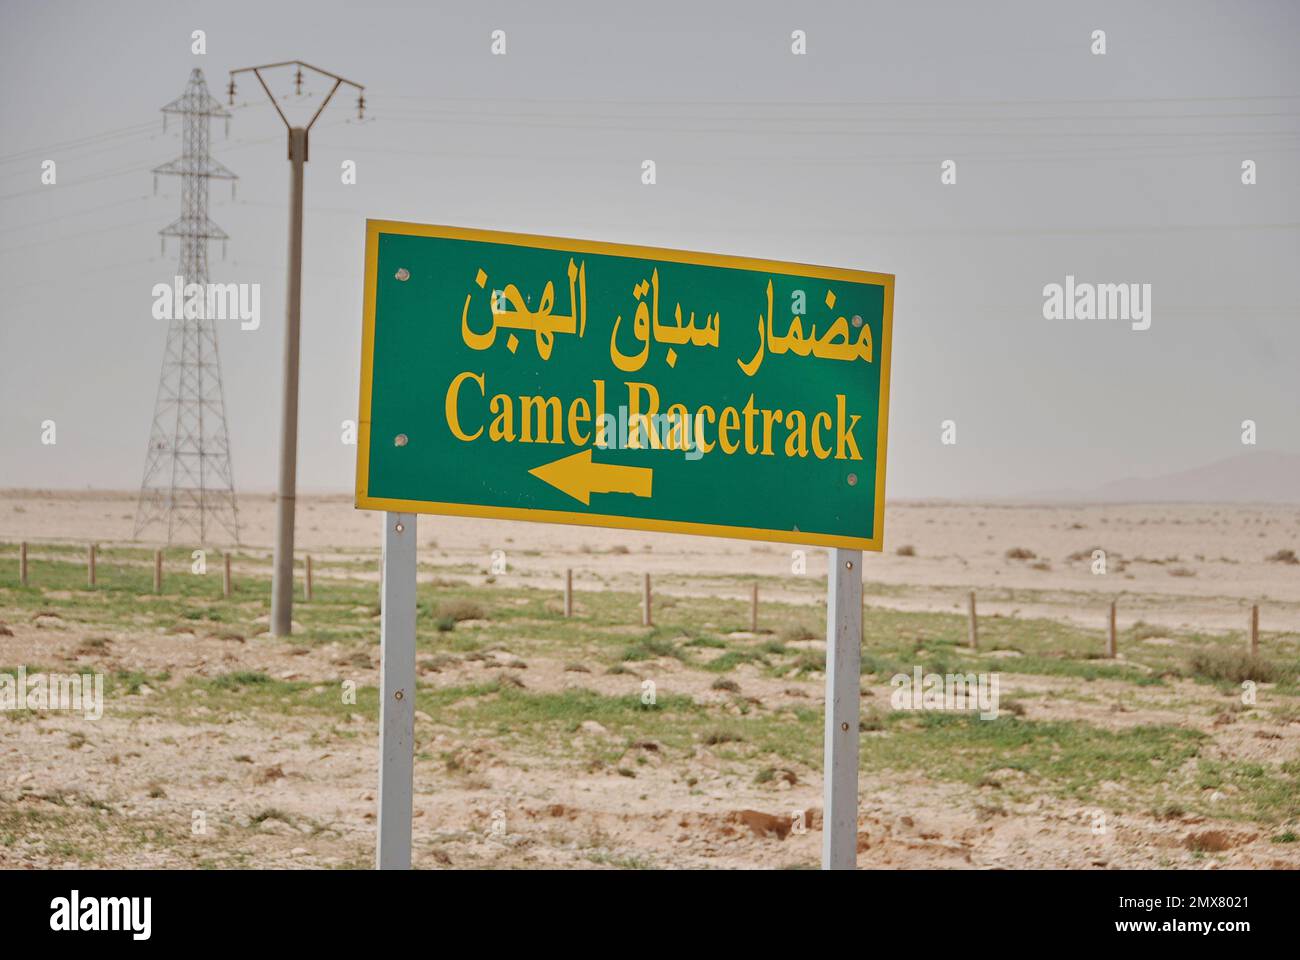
<point x="188" y="484"/>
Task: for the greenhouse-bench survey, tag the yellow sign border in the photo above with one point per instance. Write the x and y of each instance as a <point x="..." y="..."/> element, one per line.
<point x="364" y="501"/>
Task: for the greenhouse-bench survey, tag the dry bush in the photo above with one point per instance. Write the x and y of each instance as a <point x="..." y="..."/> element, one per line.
<point x="458" y="610"/>
<point x="1234" y="666"/>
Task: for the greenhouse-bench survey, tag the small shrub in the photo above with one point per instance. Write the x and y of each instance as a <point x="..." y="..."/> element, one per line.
<point x="872" y="720"/>
<point x="651" y="648"/>
<point x="1144" y="631"/>
<point x="716" y="737"/>
<point x="457" y="610"/>
<point x="1020" y="553"/>
<point x="907" y="551"/>
<point x="240" y="679"/>
<point x="796" y="634"/>
<point x="1283" y="556"/>
<point x="713" y="643"/>
<point x="1234" y="666"/>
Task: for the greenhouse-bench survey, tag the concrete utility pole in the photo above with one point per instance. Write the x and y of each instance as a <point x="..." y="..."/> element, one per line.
<point x="286" y="491"/>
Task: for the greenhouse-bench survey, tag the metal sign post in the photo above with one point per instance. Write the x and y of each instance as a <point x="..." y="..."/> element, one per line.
<point x="396" y="693"/>
<point x="843" y="692"/>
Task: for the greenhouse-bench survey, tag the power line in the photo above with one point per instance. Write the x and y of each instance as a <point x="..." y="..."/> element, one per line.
<point x="851" y="103"/>
<point x="77" y="142"/>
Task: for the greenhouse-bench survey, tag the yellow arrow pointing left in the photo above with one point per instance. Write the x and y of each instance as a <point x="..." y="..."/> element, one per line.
<point x="579" y="476"/>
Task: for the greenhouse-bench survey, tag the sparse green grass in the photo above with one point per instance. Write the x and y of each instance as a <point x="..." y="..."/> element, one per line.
<point x="1143" y="767"/>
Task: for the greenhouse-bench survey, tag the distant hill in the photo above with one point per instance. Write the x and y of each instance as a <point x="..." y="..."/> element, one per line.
<point x="1257" y="477"/>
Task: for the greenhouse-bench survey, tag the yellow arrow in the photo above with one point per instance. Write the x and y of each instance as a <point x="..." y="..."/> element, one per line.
<point x="579" y="477"/>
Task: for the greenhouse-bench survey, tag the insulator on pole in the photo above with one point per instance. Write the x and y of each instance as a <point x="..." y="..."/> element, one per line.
<point x="361" y="106"/>
<point x="297" y="82"/>
<point x="231" y="91"/>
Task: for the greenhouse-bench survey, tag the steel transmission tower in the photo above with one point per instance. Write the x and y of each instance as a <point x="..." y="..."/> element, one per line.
<point x="188" y="486"/>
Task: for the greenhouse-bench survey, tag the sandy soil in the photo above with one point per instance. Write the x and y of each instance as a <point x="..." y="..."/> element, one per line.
<point x="501" y="808"/>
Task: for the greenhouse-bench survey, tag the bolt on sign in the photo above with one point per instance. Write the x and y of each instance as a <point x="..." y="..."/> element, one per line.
<point x="571" y="381"/>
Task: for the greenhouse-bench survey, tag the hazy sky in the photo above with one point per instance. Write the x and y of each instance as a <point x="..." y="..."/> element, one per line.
<point x="1117" y="168"/>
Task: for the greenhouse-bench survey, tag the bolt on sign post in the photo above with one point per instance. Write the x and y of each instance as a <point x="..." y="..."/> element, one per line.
<point x="568" y="381"/>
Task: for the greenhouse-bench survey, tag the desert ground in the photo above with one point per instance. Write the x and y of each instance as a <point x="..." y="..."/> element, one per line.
<point x="539" y="744"/>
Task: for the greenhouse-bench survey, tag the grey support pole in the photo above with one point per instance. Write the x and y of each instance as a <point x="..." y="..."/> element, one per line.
<point x="396" y="693"/>
<point x="843" y="690"/>
<point x="286" y="491"/>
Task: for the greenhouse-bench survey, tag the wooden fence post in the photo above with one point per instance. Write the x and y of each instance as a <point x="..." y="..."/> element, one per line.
<point x="1254" y="630"/>
<point x="568" y="593"/>
<point x="753" y="608"/>
<point x="90" y="565"/>
<point x="225" y="576"/>
<point x="22" y="563"/>
<point x="646" y="619"/>
<point x="307" y="580"/>
<point x="157" y="571"/>
<point x="1112" y="635"/>
<point x="973" y="630"/>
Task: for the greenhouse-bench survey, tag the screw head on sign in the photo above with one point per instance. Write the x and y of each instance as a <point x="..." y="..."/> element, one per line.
<point x="844" y="726"/>
<point x="857" y="321"/>
<point x="400" y="527"/>
<point x="403" y="274"/>
<point x="398" y="695"/>
<point x="400" y="440"/>
<point x="848" y="564"/>
<point x="853" y="479"/>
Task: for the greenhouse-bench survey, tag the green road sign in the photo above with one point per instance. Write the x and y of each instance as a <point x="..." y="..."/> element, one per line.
<point x="569" y="381"/>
